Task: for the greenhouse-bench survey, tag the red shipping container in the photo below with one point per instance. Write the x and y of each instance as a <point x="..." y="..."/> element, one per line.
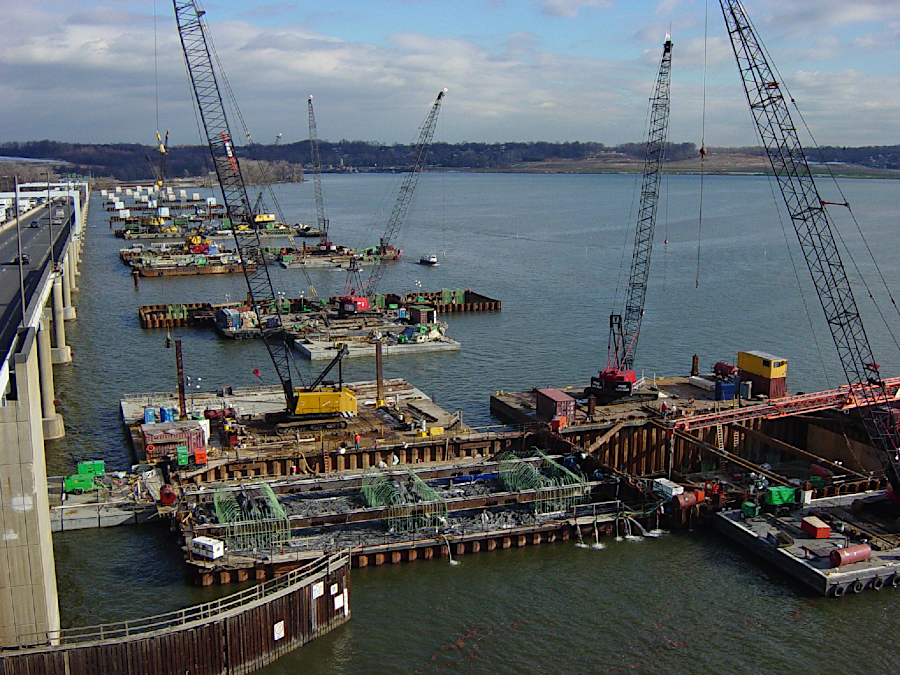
<point x="774" y="388"/>
<point x="554" y="403"/>
<point x="200" y="456"/>
<point x="167" y="436"/>
<point x="815" y="527"/>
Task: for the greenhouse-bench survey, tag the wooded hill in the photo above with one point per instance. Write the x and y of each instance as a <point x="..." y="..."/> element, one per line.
<point x="129" y="161"/>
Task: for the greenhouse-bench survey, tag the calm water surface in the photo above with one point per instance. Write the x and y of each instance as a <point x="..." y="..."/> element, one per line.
<point x="551" y="248"/>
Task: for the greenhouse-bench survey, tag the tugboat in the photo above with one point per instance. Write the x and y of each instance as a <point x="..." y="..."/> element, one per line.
<point x="430" y="260"/>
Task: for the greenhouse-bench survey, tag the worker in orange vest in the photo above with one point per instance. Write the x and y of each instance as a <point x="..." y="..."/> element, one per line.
<point x="356" y="440"/>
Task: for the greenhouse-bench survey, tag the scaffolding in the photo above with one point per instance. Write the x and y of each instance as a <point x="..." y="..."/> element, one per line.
<point x="558" y="488"/>
<point x="411" y="504"/>
<point x="252" y="518"/>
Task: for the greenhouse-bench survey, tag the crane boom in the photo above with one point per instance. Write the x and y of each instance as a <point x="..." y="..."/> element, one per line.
<point x="194" y="42"/>
<point x="643" y="239"/>
<point x="814" y="231"/>
<point x="618" y="377"/>
<point x="407" y="190"/>
<point x="317" y="174"/>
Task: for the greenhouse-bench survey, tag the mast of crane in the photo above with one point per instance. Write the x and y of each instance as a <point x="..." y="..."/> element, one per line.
<point x="814" y="231"/>
<point x="192" y="31"/>
<point x="407" y="190"/>
<point x="317" y="175"/>
<point x="357" y="292"/>
<point x="618" y="376"/>
<point x="643" y="239"/>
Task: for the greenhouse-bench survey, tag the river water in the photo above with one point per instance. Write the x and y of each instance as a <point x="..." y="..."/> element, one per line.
<point x="551" y="248"/>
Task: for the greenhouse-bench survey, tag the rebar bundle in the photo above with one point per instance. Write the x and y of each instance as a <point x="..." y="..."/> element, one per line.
<point x="559" y="488"/>
<point x="412" y="504"/>
<point x="253" y="518"/>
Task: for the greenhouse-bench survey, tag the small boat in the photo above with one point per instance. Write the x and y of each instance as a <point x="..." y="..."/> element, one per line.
<point x="430" y="260"/>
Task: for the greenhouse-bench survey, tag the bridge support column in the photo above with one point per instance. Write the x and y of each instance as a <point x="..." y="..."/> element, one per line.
<point x="71" y="264"/>
<point x="61" y="353"/>
<point x="77" y="249"/>
<point x="68" y="309"/>
<point x="52" y="421"/>
<point x="29" y="608"/>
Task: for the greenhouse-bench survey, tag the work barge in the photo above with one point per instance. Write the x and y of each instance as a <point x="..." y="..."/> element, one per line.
<point x="407" y="323"/>
<point x="621" y="469"/>
<point x="791" y="479"/>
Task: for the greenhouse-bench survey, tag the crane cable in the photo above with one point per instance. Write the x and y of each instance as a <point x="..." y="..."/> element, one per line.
<point x="267" y="183"/>
<point x="265" y="179"/>
<point x="155" y="66"/>
<point x="787" y="241"/>
<point x="702" y="140"/>
<point x="845" y="203"/>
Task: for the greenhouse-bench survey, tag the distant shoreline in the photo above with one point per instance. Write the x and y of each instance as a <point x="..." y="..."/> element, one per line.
<point x="714" y="165"/>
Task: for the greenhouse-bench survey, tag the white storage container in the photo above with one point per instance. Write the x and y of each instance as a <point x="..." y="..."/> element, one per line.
<point x="208" y="547"/>
<point x="666" y="488"/>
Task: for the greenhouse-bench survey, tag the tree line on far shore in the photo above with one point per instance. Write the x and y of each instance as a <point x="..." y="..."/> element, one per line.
<point x="136" y="162"/>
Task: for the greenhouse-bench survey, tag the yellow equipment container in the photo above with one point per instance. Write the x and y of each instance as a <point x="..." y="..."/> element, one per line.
<point x="436" y="431"/>
<point x="264" y="218"/>
<point x="325" y="401"/>
<point x="762" y="364"/>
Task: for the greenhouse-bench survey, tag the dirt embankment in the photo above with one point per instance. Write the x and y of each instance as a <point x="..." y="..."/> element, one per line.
<point x="714" y="163"/>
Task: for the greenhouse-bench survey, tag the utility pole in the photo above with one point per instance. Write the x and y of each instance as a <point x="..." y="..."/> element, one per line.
<point x="50" y="220"/>
<point x="179" y="364"/>
<point x="19" y="244"/>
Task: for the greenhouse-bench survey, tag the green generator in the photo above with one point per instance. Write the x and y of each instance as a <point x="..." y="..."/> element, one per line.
<point x="91" y="467"/>
<point x="79" y="483"/>
<point x="182" y="455"/>
<point x="776" y="496"/>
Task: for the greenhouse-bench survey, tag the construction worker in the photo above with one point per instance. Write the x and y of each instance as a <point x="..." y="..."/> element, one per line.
<point x="356" y="440"/>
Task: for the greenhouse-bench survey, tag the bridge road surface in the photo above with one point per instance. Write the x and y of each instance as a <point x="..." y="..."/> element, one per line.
<point x="36" y="243"/>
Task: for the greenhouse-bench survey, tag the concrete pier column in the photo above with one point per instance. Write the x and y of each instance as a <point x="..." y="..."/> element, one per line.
<point x="29" y="609"/>
<point x="61" y="353"/>
<point x="68" y="309"/>
<point x="52" y="421"/>
<point x="70" y="269"/>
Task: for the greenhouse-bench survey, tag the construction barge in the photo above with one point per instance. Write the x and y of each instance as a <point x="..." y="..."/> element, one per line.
<point x="407" y="481"/>
<point x="831" y="545"/>
<point x="446" y="301"/>
<point x="183" y="266"/>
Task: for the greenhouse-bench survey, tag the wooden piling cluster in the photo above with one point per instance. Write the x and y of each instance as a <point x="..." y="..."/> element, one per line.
<point x="232" y="636"/>
<point x="472" y="302"/>
<point x="479" y="542"/>
<point x="176" y="316"/>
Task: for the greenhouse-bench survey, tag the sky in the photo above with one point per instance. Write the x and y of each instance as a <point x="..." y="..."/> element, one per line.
<point x="516" y="70"/>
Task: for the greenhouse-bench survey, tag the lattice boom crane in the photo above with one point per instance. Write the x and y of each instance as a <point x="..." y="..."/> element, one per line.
<point x="359" y="292"/>
<point x="814" y="230"/>
<point x="317" y="175"/>
<point x="618" y="378"/>
<point x="191" y="29"/>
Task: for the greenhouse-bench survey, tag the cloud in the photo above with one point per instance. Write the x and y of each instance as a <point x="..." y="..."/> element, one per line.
<point x="83" y="73"/>
<point x="803" y="16"/>
<point x="569" y="9"/>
